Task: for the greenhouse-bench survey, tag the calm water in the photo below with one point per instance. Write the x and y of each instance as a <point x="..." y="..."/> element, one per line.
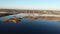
<point x="31" y="26"/>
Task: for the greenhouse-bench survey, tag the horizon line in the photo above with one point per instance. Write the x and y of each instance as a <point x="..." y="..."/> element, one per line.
<point x="28" y="9"/>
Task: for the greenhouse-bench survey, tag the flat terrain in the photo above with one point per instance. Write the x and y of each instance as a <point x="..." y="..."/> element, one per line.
<point x="43" y="17"/>
<point x="17" y="11"/>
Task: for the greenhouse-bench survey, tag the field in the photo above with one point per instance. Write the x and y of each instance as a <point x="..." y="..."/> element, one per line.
<point x="18" y="11"/>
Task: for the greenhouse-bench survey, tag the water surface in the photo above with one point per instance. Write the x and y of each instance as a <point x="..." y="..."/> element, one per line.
<point x="28" y="25"/>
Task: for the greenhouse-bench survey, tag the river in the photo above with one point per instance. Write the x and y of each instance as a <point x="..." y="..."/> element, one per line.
<point x="30" y="26"/>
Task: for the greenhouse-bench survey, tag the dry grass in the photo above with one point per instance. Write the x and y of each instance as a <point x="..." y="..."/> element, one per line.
<point x="43" y="17"/>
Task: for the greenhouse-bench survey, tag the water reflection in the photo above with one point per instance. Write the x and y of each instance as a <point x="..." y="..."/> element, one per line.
<point x="22" y="15"/>
<point x="27" y="25"/>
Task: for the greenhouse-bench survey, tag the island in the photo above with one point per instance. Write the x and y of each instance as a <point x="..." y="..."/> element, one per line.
<point x="14" y="20"/>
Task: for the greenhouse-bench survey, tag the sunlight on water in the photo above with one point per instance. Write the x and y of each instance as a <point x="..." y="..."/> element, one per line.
<point x="27" y="25"/>
<point x="21" y="15"/>
<point x="50" y="15"/>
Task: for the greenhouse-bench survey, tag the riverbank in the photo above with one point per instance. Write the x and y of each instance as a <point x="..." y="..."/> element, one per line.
<point x="5" y="14"/>
<point x="43" y="17"/>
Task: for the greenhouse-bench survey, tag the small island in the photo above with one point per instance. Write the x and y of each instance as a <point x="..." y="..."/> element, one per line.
<point x="14" y="20"/>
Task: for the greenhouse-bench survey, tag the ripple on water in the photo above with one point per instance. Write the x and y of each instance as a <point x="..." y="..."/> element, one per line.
<point x="32" y="24"/>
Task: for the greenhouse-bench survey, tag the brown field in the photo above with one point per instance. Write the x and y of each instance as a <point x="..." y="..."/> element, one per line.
<point x="43" y="17"/>
<point x="17" y="11"/>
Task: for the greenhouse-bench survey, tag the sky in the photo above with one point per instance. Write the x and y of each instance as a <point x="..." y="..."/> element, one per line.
<point x="30" y="4"/>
